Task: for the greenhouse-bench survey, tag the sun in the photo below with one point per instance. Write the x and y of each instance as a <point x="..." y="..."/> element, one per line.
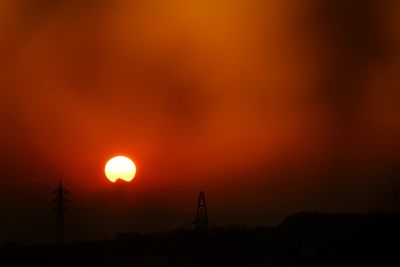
<point x="120" y="167"/>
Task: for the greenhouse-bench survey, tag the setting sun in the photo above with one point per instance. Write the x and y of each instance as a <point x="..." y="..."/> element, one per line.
<point x="120" y="167"/>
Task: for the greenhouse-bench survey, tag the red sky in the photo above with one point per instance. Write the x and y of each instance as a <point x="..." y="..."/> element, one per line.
<point x="269" y="106"/>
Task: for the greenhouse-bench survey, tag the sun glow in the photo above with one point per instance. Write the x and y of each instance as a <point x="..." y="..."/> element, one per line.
<point x="120" y="167"/>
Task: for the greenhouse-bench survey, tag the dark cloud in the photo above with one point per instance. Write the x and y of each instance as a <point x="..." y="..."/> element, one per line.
<point x="352" y="40"/>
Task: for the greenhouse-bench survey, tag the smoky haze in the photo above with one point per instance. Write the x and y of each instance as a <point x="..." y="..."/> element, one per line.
<point x="269" y="106"/>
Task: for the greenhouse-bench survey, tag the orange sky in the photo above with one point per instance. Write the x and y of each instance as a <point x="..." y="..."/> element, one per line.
<point x="269" y="106"/>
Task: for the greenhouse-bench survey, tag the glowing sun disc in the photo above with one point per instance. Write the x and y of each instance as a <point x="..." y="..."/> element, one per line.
<point x="120" y="167"/>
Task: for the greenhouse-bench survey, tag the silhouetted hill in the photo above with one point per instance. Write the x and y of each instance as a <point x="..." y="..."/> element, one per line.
<point x="315" y="226"/>
<point x="304" y="239"/>
<point x="361" y="239"/>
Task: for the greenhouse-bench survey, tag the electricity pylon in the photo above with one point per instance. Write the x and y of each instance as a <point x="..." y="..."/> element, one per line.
<point x="201" y="222"/>
<point x="60" y="200"/>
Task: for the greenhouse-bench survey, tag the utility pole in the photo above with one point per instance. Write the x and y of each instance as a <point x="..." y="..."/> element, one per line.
<point x="60" y="200"/>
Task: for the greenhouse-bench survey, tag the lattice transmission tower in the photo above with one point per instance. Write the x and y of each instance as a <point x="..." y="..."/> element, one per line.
<point x="201" y="222"/>
<point x="60" y="200"/>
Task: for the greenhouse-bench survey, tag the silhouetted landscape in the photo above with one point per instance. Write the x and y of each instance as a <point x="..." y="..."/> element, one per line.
<point x="115" y="114"/>
<point x="304" y="239"/>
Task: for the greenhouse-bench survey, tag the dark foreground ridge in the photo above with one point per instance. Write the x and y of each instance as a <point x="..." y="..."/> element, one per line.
<point x="304" y="239"/>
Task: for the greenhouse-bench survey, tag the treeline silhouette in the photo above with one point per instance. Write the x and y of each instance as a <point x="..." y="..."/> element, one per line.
<point x="304" y="239"/>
